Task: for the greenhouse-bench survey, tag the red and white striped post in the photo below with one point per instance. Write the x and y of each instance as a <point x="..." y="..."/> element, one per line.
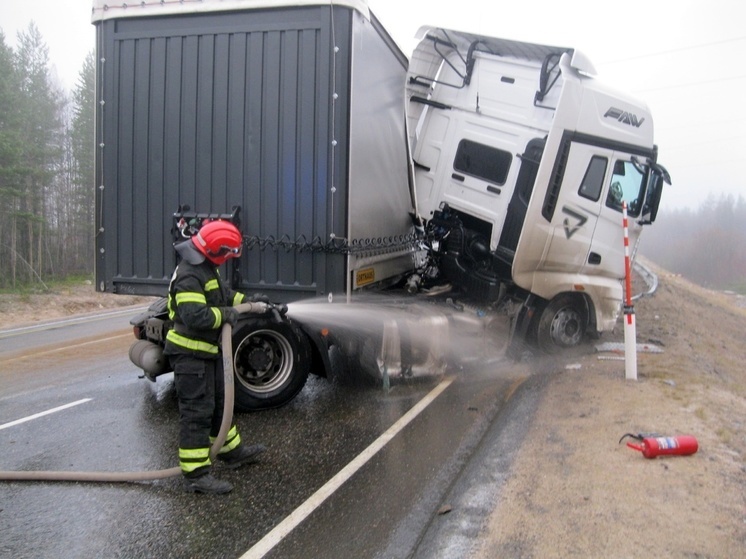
<point x="630" y="330"/>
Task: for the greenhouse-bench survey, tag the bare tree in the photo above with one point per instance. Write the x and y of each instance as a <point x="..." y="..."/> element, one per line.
<point x="82" y="137"/>
<point x="40" y="138"/>
<point x="10" y="162"/>
<point x="707" y="245"/>
<point x="46" y="166"/>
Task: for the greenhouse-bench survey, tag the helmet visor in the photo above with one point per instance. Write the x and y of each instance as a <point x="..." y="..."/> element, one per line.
<point x="226" y="252"/>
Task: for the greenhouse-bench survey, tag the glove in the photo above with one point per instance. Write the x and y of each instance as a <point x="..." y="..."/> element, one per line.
<point x="230" y="315"/>
<point x="259" y="298"/>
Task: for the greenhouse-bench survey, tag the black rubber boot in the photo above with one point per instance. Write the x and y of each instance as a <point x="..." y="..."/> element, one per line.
<point x="207" y="484"/>
<point x="242" y="455"/>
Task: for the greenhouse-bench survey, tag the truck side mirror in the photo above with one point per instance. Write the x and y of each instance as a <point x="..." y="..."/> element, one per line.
<point x="658" y="176"/>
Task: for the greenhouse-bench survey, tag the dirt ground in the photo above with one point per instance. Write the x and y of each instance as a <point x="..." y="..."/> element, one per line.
<point x="574" y="491"/>
<point x="59" y="302"/>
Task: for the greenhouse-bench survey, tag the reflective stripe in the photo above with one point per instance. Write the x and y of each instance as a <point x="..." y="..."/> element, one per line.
<point x="218" y="317"/>
<point x="211" y="285"/>
<point x="232" y="440"/>
<point x="237" y="298"/>
<point x="191" y="459"/>
<point x="190" y="344"/>
<point x="190" y="297"/>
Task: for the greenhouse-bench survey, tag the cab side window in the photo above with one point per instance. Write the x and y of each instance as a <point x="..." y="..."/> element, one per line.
<point x="593" y="181"/>
<point x="626" y="186"/>
<point x="481" y="161"/>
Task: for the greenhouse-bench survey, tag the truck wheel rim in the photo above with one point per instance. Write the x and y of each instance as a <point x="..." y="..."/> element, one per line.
<point x="263" y="361"/>
<point x="566" y="327"/>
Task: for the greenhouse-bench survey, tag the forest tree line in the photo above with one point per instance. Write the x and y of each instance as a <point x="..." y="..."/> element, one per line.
<point x="46" y="167"/>
<point x="47" y="186"/>
<point x="706" y="245"/>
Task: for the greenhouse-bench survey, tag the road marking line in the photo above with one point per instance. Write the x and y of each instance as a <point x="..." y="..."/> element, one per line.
<point x="43" y="413"/>
<point x="279" y="532"/>
<point x="65" y="348"/>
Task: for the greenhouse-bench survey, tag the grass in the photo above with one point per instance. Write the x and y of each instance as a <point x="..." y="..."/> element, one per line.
<point x="738" y="287"/>
<point x="26" y="290"/>
<point x="724" y="434"/>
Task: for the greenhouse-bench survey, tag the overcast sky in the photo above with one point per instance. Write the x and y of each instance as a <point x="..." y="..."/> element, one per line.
<point x="685" y="58"/>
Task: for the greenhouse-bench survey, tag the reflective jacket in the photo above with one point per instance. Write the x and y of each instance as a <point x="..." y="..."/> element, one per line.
<point x="195" y="295"/>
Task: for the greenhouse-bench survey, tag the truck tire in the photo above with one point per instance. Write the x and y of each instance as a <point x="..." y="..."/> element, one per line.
<point x="271" y="362"/>
<point x="562" y="324"/>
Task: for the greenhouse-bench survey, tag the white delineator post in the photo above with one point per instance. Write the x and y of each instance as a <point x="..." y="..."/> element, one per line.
<point x="630" y="330"/>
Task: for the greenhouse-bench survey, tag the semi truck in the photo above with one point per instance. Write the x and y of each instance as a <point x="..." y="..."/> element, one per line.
<point x="486" y="174"/>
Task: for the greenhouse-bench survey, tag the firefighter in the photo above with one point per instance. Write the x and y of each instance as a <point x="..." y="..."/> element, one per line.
<point x="200" y="303"/>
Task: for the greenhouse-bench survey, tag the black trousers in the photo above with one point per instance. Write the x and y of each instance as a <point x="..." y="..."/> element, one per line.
<point x="200" y="387"/>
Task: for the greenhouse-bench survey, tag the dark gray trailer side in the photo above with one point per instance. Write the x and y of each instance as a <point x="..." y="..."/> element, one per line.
<point x="295" y="114"/>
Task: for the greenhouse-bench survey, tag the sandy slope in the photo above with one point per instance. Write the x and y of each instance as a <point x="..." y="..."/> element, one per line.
<point x="575" y="492"/>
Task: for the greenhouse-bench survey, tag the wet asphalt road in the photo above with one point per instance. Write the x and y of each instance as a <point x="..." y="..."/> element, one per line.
<point x="451" y="457"/>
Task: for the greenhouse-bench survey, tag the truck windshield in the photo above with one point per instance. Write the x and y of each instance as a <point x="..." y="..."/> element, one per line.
<point x="627" y="185"/>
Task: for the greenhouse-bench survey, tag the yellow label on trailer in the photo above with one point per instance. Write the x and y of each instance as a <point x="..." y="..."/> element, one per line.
<point x="364" y="277"/>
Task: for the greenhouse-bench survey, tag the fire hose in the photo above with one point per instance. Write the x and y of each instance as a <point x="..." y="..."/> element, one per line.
<point x="227" y="349"/>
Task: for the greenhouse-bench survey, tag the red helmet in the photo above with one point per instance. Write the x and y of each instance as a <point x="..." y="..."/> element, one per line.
<point x="218" y="241"/>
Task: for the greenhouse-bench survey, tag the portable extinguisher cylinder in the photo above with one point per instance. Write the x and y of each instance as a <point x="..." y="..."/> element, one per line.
<point x="652" y="447"/>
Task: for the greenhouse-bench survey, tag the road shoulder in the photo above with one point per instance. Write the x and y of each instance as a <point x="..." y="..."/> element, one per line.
<point x="574" y="491"/>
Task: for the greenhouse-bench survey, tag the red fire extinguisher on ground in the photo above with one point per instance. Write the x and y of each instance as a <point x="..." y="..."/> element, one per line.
<point x="656" y="445"/>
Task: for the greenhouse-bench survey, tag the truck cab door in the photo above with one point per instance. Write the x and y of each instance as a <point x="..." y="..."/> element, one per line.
<point x="578" y="206"/>
<point x="625" y="183"/>
<point x="588" y="235"/>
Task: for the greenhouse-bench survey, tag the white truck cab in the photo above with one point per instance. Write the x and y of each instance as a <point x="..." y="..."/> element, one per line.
<point x="523" y="160"/>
